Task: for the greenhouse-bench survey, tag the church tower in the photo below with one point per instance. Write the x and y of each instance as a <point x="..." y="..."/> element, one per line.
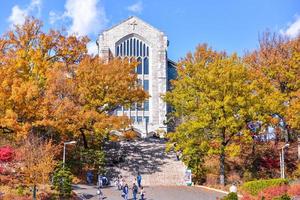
<point x="136" y="38"/>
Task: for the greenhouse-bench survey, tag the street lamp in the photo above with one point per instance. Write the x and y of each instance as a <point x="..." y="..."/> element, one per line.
<point x="281" y="154"/>
<point x="64" y="155"/>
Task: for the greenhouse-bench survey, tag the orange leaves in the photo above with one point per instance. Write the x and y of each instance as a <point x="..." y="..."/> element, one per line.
<point x="49" y="83"/>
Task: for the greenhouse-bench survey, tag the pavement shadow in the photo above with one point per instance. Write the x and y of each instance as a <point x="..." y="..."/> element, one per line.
<point x="141" y="155"/>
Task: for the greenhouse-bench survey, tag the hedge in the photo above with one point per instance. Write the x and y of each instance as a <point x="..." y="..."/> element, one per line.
<point x="254" y="187"/>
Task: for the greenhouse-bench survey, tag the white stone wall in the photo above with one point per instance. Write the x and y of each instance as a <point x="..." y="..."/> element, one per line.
<point x="157" y="43"/>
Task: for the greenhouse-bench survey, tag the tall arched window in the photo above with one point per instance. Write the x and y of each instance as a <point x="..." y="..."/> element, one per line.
<point x="132" y="48"/>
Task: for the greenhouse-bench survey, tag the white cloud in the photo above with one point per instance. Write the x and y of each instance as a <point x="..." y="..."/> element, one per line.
<point x="54" y="17"/>
<point x="136" y="8"/>
<point x="293" y="29"/>
<point x="85" y="17"/>
<point x="92" y="48"/>
<point x="18" y="14"/>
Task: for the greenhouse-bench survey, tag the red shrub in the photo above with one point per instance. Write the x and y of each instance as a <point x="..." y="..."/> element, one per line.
<point x="294" y="190"/>
<point x="271" y="192"/>
<point x="247" y="197"/>
<point x="269" y="163"/>
<point x="6" y="154"/>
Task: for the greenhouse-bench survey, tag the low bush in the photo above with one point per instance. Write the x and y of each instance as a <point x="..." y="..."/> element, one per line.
<point x="274" y="192"/>
<point x="231" y="196"/>
<point x="294" y="190"/>
<point x="254" y="187"/>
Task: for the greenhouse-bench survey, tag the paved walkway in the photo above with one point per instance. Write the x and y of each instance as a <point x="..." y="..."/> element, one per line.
<point x="147" y="156"/>
<point x="152" y="193"/>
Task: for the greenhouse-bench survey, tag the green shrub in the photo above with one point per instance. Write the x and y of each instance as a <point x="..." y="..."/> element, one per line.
<point x="283" y="197"/>
<point x="62" y="181"/>
<point x="231" y="196"/>
<point x="254" y="187"/>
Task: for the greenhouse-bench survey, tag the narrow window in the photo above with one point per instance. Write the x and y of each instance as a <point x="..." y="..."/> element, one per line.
<point x="134" y="49"/>
<point x="139" y="67"/>
<point x="146" y="85"/>
<point x="146" y="118"/>
<point x="130" y="47"/>
<point x="144" y="50"/>
<point x="117" y="52"/>
<point x="141" y="48"/>
<point x="121" y="49"/>
<point x="146" y="105"/>
<point x="146" y="66"/>
<point x="139" y="119"/>
<point x="147" y="51"/>
<point x="137" y="48"/>
<point x="127" y="48"/>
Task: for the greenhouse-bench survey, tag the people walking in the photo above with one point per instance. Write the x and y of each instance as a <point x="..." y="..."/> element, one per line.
<point x="117" y="183"/>
<point x="99" y="193"/>
<point x="142" y="192"/>
<point x="100" y="181"/>
<point x="122" y="183"/>
<point x="125" y="192"/>
<point x="139" y="179"/>
<point x="89" y="177"/>
<point x="134" y="191"/>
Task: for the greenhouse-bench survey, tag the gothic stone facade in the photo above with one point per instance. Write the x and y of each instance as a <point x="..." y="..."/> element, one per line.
<point x="135" y="38"/>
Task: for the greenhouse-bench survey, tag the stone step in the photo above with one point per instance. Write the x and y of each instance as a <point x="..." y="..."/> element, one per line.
<point x="149" y="158"/>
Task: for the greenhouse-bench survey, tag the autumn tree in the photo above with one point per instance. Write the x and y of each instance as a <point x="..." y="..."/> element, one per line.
<point x="26" y="54"/>
<point x="214" y="97"/>
<point x="277" y="62"/>
<point x="52" y="85"/>
<point x="37" y="161"/>
<point x="81" y="99"/>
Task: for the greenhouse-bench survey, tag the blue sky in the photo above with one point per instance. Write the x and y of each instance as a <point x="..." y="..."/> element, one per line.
<point x="231" y="25"/>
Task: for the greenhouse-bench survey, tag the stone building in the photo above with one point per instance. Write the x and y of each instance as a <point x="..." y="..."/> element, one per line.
<point x="135" y="38"/>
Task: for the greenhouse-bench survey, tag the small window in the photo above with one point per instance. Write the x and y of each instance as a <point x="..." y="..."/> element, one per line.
<point x="139" y="119"/>
<point x="139" y="67"/>
<point x="134" y="47"/>
<point x="121" y="49"/>
<point x="146" y="118"/>
<point x="146" y="105"/>
<point x="130" y="47"/>
<point x="137" y="48"/>
<point x="146" y="66"/>
<point x="146" y="85"/>
<point x="117" y="51"/>
<point x="127" y="48"/>
<point x="141" y="48"/>
<point x="147" y="51"/>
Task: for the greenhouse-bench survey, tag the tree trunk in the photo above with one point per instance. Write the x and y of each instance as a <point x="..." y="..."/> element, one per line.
<point x="222" y="157"/>
<point x="85" y="143"/>
<point x="222" y="165"/>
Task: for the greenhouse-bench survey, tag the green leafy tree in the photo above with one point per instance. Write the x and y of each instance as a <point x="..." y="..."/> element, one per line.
<point x="62" y="181"/>
<point x="214" y="97"/>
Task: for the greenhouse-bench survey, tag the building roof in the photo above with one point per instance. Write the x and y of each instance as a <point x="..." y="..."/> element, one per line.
<point x="129" y="18"/>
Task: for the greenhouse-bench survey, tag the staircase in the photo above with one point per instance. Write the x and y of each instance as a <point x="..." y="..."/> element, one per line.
<point x="148" y="157"/>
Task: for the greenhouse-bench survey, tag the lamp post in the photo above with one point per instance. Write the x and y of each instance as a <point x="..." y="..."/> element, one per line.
<point x="64" y="154"/>
<point x="282" y="165"/>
